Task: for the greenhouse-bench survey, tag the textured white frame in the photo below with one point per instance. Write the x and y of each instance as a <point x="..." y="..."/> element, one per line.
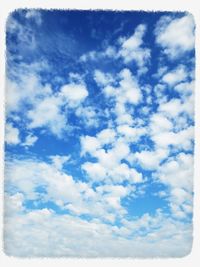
<point x="7" y="6"/>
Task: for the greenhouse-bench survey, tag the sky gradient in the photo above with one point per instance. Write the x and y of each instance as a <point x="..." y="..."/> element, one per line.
<point x="99" y="134"/>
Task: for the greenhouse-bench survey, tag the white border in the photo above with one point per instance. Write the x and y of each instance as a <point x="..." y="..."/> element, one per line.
<point x="6" y="6"/>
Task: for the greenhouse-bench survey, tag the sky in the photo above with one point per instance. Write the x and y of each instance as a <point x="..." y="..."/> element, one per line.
<point x="99" y="134"/>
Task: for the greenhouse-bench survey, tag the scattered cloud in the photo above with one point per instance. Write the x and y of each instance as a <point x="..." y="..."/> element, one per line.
<point x="11" y="134"/>
<point x="30" y="140"/>
<point x="132" y="48"/>
<point x="103" y="165"/>
<point x="175" y="35"/>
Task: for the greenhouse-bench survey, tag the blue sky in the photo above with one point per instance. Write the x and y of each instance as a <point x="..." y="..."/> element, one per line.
<point x="99" y="134"/>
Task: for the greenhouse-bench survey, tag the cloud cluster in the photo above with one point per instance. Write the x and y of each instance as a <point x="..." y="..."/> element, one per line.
<point x="59" y="235"/>
<point x="118" y="136"/>
<point x="175" y="36"/>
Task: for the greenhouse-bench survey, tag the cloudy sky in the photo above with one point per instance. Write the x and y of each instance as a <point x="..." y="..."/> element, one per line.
<point x="99" y="134"/>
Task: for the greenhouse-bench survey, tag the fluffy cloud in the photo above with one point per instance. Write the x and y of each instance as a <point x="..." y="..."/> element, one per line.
<point x="30" y="140"/>
<point x="109" y="166"/>
<point x="88" y="115"/>
<point x="26" y="91"/>
<point x="95" y="171"/>
<point x="180" y="140"/>
<point x="175" y="36"/>
<point x="73" y="94"/>
<point x="11" y="134"/>
<point x="89" y="144"/>
<point x="136" y="140"/>
<point x="47" y="114"/>
<point x="176" y="76"/>
<point x="106" y="136"/>
<point x="132" y="48"/>
<point x="72" y="196"/>
<point x="102" y="78"/>
<point x="128" y="92"/>
<point x="34" y="15"/>
<point x="130" y="134"/>
<point x="150" y="160"/>
<point x="44" y="233"/>
<point x="177" y="174"/>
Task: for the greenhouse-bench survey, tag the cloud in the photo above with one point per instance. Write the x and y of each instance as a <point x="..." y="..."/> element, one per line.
<point x="30" y="140"/>
<point x="129" y="141"/>
<point x="127" y="92"/>
<point x="176" y="76"/>
<point x="89" y="144"/>
<point x="88" y="115"/>
<point x="131" y="134"/>
<point x="73" y="94"/>
<point x="68" y="193"/>
<point x="129" y="49"/>
<point x="47" y="114"/>
<point x="132" y="48"/>
<point x="177" y="174"/>
<point x="180" y="140"/>
<point x="185" y="88"/>
<point x="109" y="166"/>
<point x="159" y="123"/>
<point x="102" y="78"/>
<point x="34" y="15"/>
<point x="43" y="233"/>
<point x="150" y="160"/>
<point x="95" y="171"/>
<point x="26" y="90"/>
<point x="176" y="107"/>
<point x="106" y="136"/>
<point x="110" y="52"/>
<point x="175" y="36"/>
<point x="11" y="134"/>
<point x="58" y="161"/>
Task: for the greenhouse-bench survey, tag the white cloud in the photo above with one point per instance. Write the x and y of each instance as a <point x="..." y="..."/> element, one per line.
<point x="43" y="233"/>
<point x="122" y="172"/>
<point x="175" y="107"/>
<point x="108" y="166"/>
<point x="89" y="144"/>
<point x="128" y="92"/>
<point x="34" y="15"/>
<point x="176" y="76"/>
<point x="177" y="172"/>
<point x="88" y="115"/>
<point x="95" y="171"/>
<point x="130" y="134"/>
<point x="106" y="136"/>
<point x="159" y="123"/>
<point x="175" y="36"/>
<point x="102" y="78"/>
<point x="180" y="140"/>
<point x="25" y="176"/>
<point x="47" y="114"/>
<point x="109" y="52"/>
<point x="132" y="48"/>
<point x="185" y="88"/>
<point x="11" y="134"/>
<point x="58" y="161"/>
<point x="150" y="160"/>
<point x="27" y="90"/>
<point x="129" y="87"/>
<point x="73" y="94"/>
<point x="30" y="140"/>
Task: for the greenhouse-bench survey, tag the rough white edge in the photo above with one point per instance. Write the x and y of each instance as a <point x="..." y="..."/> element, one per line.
<point x="6" y="6"/>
